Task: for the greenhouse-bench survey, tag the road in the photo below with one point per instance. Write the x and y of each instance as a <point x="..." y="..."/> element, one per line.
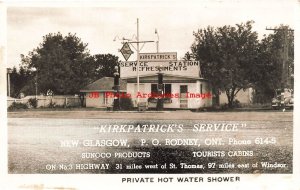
<point x="269" y="115"/>
<point x="63" y="142"/>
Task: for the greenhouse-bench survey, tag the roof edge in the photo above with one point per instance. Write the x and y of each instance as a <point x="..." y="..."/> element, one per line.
<point x="179" y="76"/>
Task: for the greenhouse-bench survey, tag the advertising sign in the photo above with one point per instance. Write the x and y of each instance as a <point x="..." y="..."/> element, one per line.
<point x="126" y="51"/>
<point x="162" y="56"/>
<point x="180" y="67"/>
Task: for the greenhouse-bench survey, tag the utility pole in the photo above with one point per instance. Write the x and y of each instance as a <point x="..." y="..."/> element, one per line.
<point x="9" y="71"/>
<point x="157" y="42"/>
<point x="138" y="61"/>
<point x="160" y="88"/>
<point x="116" y="105"/>
<point x="138" y="49"/>
<point x="285" y="73"/>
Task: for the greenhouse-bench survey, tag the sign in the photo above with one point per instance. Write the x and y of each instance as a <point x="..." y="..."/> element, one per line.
<point x="126" y="51"/>
<point x="164" y="56"/>
<point x="179" y="68"/>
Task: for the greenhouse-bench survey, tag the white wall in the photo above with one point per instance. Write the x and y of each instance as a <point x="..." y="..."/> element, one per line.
<point x="132" y="90"/>
<point x="44" y="101"/>
<point x="206" y="102"/>
<point x="98" y="102"/>
<point x="244" y="97"/>
<point x="193" y="103"/>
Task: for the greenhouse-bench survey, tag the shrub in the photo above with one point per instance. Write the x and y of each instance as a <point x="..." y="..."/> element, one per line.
<point x="17" y="105"/>
<point x="33" y="102"/>
<point x="51" y="105"/>
<point x="152" y="100"/>
<point x="126" y="104"/>
<point x="236" y="104"/>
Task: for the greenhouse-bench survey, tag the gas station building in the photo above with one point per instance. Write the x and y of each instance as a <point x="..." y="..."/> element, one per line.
<point x="183" y="88"/>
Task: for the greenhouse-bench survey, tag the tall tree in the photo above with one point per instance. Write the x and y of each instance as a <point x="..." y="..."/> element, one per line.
<point x="18" y="80"/>
<point x="61" y="64"/>
<point x="270" y="63"/>
<point x="227" y="54"/>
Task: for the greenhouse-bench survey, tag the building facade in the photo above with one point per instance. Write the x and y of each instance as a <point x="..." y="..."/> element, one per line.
<point x="183" y="88"/>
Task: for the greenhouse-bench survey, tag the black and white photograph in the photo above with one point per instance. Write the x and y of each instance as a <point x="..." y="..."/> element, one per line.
<point x="150" y="94"/>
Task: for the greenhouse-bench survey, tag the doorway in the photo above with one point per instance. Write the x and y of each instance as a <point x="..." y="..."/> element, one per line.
<point x="183" y="98"/>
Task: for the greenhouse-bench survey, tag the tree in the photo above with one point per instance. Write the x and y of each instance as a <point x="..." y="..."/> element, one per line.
<point x="18" y="80"/>
<point x="62" y="64"/>
<point x="188" y="56"/>
<point x="227" y="54"/>
<point x="104" y="65"/>
<point x="270" y="64"/>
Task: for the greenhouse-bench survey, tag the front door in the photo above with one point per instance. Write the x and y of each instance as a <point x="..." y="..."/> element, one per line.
<point x="182" y="98"/>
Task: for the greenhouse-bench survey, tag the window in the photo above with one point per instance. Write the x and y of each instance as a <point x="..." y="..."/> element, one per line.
<point x="200" y="88"/>
<point x="154" y="88"/>
<point x="167" y="88"/>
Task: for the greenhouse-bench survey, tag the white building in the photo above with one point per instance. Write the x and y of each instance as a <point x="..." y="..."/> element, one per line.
<point x="98" y="93"/>
<point x="183" y="86"/>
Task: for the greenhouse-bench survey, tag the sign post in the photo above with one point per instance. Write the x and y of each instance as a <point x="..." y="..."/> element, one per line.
<point x="126" y="52"/>
<point x="160" y="89"/>
<point x="138" y="60"/>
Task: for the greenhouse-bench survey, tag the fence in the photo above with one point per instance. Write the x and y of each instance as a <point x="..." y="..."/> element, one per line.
<point x="48" y="101"/>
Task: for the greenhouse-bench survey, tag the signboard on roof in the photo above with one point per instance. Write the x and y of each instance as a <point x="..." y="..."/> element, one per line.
<point x="180" y="67"/>
<point x="164" y="56"/>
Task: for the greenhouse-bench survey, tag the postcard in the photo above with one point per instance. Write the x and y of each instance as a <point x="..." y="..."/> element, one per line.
<point x="150" y="94"/>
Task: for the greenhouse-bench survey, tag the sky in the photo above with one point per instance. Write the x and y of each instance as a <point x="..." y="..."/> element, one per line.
<point x="98" y="24"/>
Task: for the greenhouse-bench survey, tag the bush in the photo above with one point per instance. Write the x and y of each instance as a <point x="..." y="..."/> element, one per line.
<point x="236" y="104"/>
<point x="17" y="105"/>
<point x="51" y="105"/>
<point x="126" y="104"/>
<point x="33" y="102"/>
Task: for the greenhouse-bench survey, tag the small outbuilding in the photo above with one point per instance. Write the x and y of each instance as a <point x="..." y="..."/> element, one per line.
<point x="98" y="93"/>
